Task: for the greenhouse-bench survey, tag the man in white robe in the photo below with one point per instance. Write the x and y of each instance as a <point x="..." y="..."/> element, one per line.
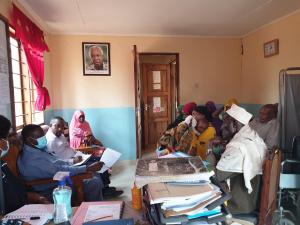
<point x="242" y="162"/>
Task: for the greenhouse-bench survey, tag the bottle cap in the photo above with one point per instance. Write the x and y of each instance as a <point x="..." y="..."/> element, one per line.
<point x="65" y="180"/>
<point x="62" y="182"/>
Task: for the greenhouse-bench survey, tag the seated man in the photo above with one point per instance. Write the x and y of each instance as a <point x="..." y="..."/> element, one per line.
<point x="242" y="162"/>
<point x="36" y="163"/>
<point x="58" y="145"/>
<point x="267" y="125"/>
<point x="15" y="193"/>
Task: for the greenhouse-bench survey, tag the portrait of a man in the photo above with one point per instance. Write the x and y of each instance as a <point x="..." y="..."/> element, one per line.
<point x="96" y="58"/>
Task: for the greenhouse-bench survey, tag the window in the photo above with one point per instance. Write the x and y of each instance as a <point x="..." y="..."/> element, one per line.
<point x="23" y="87"/>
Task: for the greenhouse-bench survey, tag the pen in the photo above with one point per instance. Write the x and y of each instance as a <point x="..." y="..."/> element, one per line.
<point x="31" y="218"/>
<point x="103" y="217"/>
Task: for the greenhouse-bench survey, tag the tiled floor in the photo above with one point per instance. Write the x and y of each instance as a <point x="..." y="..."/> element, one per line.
<point x="123" y="173"/>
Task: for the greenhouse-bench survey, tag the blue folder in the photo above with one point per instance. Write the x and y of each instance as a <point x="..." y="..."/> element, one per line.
<point x="112" y="222"/>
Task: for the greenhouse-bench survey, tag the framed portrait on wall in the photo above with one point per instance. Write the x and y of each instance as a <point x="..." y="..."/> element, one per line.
<point x="96" y="58"/>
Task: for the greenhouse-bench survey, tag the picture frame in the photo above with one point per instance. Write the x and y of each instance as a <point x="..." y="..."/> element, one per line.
<point x="271" y="48"/>
<point x="96" y="58"/>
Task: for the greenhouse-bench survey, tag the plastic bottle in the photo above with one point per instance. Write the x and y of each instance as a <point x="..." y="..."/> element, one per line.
<point x="136" y="197"/>
<point x="62" y="202"/>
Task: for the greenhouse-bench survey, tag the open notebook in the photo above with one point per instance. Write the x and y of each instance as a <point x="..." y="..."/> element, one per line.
<point x="97" y="211"/>
<point x="44" y="212"/>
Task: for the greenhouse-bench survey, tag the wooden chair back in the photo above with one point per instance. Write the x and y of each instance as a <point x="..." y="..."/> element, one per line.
<point x="270" y="181"/>
<point x="13" y="154"/>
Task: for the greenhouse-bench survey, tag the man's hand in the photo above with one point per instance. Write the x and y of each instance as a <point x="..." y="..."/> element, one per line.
<point x="95" y="166"/>
<point x="77" y="159"/>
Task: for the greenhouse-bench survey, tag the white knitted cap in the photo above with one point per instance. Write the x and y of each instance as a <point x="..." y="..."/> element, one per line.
<point x="239" y="113"/>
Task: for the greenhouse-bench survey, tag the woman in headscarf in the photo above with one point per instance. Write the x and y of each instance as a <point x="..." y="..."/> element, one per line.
<point x="185" y="130"/>
<point x="216" y="121"/>
<point x="229" y="103"/>
<point x="168" y="139"/>
<point x="188" y="108"/>
<point x="201" y="136"/>
<point x="80" y="131"/>
<point x="180" y="117"/>
<point x="225" y="128"/>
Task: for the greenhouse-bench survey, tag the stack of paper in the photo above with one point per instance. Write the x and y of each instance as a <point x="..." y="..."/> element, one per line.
<point x="179" y="190"/>
<point x="184" y="169"/>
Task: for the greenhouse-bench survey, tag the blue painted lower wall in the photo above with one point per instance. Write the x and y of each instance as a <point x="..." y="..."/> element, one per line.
<point x="115" y="127"/>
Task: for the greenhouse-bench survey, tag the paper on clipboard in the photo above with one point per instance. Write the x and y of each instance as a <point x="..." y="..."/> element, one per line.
<point x="109" y="157"/>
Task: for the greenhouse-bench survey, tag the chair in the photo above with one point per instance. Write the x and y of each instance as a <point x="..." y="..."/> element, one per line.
<point x="271" y="171"/>
<point x="11" y="160"/>
<point x="270" y="181"/>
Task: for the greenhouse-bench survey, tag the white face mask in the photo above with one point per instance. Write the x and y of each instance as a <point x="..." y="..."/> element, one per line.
<point x="5" y="149"/>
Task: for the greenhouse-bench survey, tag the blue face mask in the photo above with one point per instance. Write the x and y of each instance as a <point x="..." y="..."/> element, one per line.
<point x="4" y="151"/>
<point x="41" y="143"/>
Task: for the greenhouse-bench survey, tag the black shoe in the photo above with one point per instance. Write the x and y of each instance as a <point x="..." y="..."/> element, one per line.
<point x="109" y="189"/>
<point x="112" y="194"/>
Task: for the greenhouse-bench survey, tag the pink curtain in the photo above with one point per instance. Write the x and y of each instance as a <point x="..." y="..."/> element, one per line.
<point x="34" y="45"/>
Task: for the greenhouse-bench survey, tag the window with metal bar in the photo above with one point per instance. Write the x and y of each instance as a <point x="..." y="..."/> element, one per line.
<point x="24" y="89"/>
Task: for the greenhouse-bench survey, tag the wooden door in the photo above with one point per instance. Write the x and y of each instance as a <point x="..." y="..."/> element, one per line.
<point x="156" y="102"/>
<point x="138" y="120"/>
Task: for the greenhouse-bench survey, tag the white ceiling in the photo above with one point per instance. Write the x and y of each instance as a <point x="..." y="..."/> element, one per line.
<point x="158" y="17"/>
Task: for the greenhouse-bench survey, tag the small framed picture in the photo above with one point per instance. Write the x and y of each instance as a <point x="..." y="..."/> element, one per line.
<point x="271" y="48"/>
<point x="96" y="58"/>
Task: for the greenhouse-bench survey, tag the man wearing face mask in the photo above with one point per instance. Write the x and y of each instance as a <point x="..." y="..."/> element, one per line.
<point x="242" y="162"/>
<point x="15" y="194"/>
<point x="36" y="163"/>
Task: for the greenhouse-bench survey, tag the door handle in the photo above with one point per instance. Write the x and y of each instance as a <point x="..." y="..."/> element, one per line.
<point x="146" y="107"/>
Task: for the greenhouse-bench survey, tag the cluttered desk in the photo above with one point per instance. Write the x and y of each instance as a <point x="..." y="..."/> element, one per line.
<point x="175" y="190"/>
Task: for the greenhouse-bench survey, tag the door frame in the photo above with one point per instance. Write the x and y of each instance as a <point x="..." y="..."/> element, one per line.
<point x="176" y="89"/>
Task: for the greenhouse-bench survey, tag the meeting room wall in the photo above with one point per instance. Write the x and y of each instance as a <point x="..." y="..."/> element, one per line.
<point x="209" y="70"/>
<point x="260" y="76"/>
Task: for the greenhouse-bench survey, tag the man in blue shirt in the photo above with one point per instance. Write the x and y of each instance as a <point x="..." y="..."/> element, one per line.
<point x="36" y="163"/>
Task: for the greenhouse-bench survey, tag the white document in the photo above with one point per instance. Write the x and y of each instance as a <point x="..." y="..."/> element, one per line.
<point x="109" y="157"/>
<point x="101" y="213"/>
<point x="156" y="77"/>
<point x="156" y="102"/>
<point x="45" y="212"/>
<point x="60" y="175"/>
<point x="153" y="167"/>
<point x="85" y="157"/>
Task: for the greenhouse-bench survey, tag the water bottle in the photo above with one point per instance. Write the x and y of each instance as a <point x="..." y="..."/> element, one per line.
<point x="62" y="202"/>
